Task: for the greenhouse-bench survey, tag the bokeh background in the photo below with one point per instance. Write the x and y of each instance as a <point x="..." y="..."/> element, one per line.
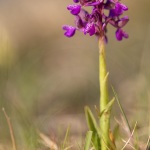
<point x="46" y="79"/>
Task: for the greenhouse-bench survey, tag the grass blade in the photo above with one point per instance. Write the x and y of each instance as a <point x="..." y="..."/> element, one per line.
<point x="121" y="109"/>
<point x="92" y="124"/>
<point x="108" y="107"/>
<point x="65" y="139"/>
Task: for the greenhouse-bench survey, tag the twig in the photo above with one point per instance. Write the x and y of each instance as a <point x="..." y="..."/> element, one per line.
<point x="10" y="129"/>
<point x="129" y="137"/>
<point x="148" y="142"/>
<point x="129" y="144"/>
<point x="46" y="141"/>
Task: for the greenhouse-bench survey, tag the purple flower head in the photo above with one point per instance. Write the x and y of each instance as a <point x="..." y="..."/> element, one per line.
<point x="95" y="22"/>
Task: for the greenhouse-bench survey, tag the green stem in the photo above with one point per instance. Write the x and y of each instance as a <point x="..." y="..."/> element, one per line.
<point x="104" y="98"/>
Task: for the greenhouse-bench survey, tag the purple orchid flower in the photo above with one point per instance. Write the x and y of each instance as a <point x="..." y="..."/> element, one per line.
<point x="74" y="9"/>
<point x="70" y="31"/>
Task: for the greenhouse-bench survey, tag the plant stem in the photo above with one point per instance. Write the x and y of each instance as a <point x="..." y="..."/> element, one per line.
<point x="104" y="98"/>
<point x="10" y="129"/>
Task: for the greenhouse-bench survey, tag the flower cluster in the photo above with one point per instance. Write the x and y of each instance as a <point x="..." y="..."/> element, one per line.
<point x="95" y="23"/>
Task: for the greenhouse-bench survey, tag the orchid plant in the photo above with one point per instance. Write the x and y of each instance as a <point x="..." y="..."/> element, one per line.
<point x="95" y="23"/>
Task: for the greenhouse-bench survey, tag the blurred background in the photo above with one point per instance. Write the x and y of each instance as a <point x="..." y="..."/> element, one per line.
<point x="46" y="79"/>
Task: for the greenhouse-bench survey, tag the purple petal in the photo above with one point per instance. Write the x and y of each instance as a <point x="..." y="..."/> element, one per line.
<point x="109" y="5"/>
<point x="78" y="22"/>
<point x="70" y="31"/>
<point x="125" y="35"/>
<point x="113" y="1"/>
<point x="112" y="13"/>
<point x="93" y="3"/>
<point x="76" y="1"/>
<point x="118" y="10"/>
<point x="124" y="7"/>
<point x="74" y="9"/>
<point x="123" y="21"/>
<point x="113" y="23"/>
<point x="90" y="28"/>
<point x="120" y="34"/>
<point x="84" y="15"/>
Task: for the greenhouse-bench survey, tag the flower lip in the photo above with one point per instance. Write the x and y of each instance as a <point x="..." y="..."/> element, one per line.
<point x="120" y="34"/>
<point x="118" y="10"/>
<point x="74" y="9"/>
<point x="70" y="31"/>
<point x="90" y="28"/>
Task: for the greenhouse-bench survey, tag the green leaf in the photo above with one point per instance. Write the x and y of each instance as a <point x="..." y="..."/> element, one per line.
<point x="92" y="124"/>
<point x="88" y="140"/>
<point x="116" y="132"/>
<point x="108" y="107"/>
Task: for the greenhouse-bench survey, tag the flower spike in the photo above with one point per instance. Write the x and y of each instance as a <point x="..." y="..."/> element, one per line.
<point x="95" y="23"/>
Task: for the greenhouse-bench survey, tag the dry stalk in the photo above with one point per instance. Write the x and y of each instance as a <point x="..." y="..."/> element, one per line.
<point x="10" y="129"/>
